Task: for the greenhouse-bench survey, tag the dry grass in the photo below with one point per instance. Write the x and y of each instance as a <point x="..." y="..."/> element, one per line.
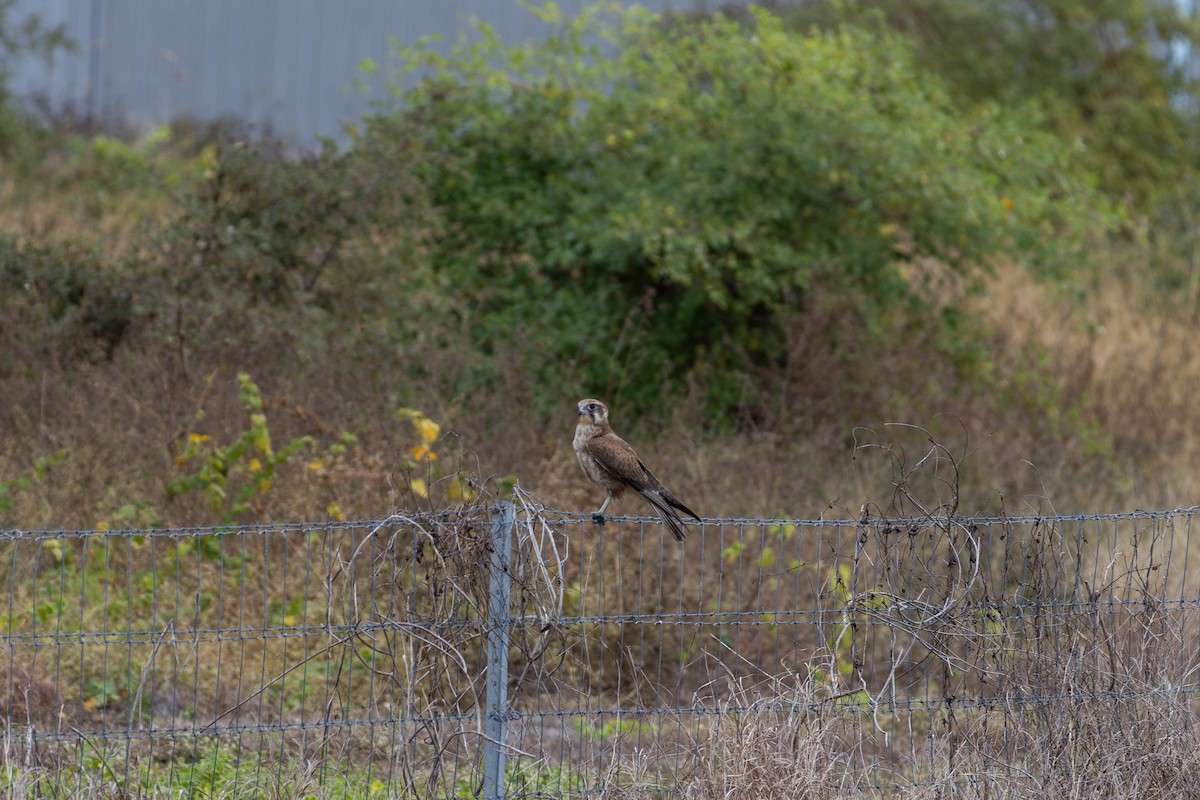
<point x="1128" y="750"/>
<point x="1094" y="407"/>
<point x="1045" y="674"/>
<point x="1129" y="357"/>
<point x="1094" y="410"/>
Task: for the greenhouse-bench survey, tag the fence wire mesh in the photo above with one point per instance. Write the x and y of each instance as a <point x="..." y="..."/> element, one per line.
<point x="348" y="659"/>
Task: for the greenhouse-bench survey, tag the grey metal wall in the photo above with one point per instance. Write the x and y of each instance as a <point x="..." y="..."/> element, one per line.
<point x="283" y="64"/>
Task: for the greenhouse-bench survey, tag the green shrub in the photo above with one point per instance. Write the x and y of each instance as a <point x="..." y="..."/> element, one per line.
<point x="59" y="302"/>
<point x="262" y="229"/>
<point x="22" y="37"/>
<point x="302" y="251"/>
<point x="1107" y="74"/>
<point x="632" y="213"/>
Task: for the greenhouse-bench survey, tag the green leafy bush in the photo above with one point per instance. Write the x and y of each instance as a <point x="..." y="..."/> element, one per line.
<point x="1107" y="74"/>
<point x="262" y="228"/>
<point x="59" y="302"/>
<point x="631" y="213"/>
<point x="22" y="37"/>
<point x="298" y="252"/>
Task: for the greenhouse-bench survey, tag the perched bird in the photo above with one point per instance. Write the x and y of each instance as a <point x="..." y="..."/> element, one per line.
<point x="609" y="462"/>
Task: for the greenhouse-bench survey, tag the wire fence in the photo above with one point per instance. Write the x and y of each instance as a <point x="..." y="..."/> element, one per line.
<point x="352" y="659"/>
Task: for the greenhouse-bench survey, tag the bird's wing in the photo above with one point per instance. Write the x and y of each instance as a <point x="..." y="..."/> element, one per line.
<point x="614" y="455"/>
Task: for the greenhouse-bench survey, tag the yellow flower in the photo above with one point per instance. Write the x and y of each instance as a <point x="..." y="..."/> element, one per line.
<point x="103" y="526"/>
<point x="199" y="438"/>
<point x="459" y="492"/>
<point x="335" y="511"/>
<point x="313" y="466"/>
<point x="255" y="465"/>
<point x="289" y="620"/>
<point x="418" y="487"/>
<point x="427" y="428"/>
<point x="56" y="549"/>
<point x="1008" y="203"/>
<point x="422" y="452"/>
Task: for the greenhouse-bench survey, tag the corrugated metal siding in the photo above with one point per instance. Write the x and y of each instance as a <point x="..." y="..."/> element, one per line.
<point x="65" y="80"/>
<point x="287" y="65"/>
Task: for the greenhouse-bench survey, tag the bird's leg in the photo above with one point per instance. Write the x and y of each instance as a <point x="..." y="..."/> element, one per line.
<point x="598" y="517"/>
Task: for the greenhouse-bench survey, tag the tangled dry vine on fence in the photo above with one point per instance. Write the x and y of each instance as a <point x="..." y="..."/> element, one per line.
<point x="1021" y="653"/>
<point x="918" y="603"/>
<point x="355" y="647"/>
<point x="408" y="602"/>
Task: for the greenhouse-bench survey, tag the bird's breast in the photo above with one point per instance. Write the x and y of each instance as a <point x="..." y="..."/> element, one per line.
<point x="595" y="473"/>
<point x="583" y="432"/>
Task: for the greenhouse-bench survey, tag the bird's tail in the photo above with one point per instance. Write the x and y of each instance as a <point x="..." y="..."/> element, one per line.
<point x="670" y="499"/>
<point x="670" y="519"/>
<point x="677" y="503"/>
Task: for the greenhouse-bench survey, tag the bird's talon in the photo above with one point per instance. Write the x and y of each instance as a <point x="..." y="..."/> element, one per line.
<point x="598" y="518"/>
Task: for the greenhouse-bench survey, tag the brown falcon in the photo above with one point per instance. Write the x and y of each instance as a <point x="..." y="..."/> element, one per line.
<point x="609" y="462"/>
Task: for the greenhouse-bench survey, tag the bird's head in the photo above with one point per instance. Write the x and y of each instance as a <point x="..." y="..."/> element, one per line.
<point x="593" y="412"/>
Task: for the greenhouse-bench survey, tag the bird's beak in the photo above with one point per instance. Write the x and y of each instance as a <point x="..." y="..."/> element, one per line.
<point x="582" y="412"/>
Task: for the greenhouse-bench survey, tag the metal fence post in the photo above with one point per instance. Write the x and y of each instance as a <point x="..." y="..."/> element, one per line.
<point x="499" y="587"/>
